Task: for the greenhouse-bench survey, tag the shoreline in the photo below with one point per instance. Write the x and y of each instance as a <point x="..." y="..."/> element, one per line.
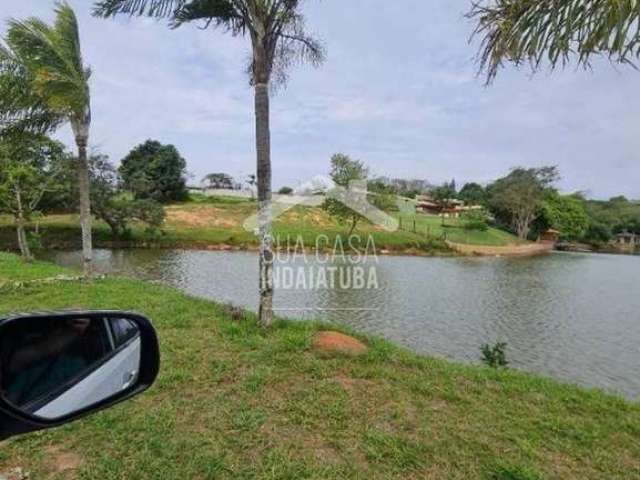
<point x="454" y="250"/>
<point x="445" y="249"/>
<point x="448" y="249"/>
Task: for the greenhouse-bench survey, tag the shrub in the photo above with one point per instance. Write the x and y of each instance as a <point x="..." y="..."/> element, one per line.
<point x="118" y="211"/>
<point x="34" y="240"/>
<point x="148" y="211"/>
<point x="495" y="356"/>
<point x="285" y="191"/>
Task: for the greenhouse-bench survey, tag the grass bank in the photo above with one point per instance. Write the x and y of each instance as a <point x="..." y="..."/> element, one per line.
<point x="235" y="402"/>
<point x="218" y="223"/>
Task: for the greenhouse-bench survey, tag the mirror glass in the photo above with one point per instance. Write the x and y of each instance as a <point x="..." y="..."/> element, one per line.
<point x="51" y="367"/>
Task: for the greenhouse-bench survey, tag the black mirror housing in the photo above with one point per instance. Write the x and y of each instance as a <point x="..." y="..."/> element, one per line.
<point x="58" y="367"/>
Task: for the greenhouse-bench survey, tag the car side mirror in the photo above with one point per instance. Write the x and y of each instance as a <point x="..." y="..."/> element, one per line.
<point x="58" y="367"/>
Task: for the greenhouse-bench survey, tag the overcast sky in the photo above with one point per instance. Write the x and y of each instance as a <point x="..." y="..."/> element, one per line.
<point x="398" y="90"/>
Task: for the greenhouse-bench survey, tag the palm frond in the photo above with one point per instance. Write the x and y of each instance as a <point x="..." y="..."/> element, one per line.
<point x="68" y="37"/>
<point x="294" y="46"/>
<point x="52" y="57"/>
<point x="276" y="27"/>
<point x="555" y="31"/>
<point x="21" y="109"/>
<point x="220" y="13"/>
<point x="151" y="8"/>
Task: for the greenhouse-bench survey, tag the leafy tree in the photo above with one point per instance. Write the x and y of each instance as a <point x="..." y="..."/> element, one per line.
<point x="285" y="191"/>
<point x="566" y="214"/>
<point x="46" y="84"/>
<point x="517" y="198"/>
<point x="629" y="224"/>
<point x="472" y="194"/>
<point x="219" y="181"/>
<point x="64" y="198"/>
<point x="443" y="197"/>
<point x="28" y="168"/>
<point x="531" y="31"/>
<point x="278" y="39"/>
<point x="115" y="207"/>
<point x="612" y="216"/>
<point x="155" y="171"/>
<point x="344" y="171"/>
<point x="598" y="233"/>
<point x="620" y="200"/>
<point x="453" y="187"/>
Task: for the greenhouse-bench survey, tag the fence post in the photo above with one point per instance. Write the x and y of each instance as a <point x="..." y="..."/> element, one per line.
<point x="400" y="227"/>
<point x="414" y="225"/>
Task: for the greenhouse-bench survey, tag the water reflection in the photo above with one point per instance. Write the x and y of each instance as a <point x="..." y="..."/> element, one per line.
<point x="572" y="316"/>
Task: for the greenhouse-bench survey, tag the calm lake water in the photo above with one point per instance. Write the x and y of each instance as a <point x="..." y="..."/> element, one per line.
<point x="575" y="317"/>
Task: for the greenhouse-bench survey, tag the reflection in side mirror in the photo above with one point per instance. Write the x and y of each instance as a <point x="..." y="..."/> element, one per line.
<point x="54" y="367"/>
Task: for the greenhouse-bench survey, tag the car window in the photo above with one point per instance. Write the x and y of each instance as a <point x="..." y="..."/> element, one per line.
<point x="123" y="331"/>
<point x="45" y="358"/>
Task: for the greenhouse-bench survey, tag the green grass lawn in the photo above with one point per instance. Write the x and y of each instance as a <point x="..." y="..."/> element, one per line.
<point x="235" y="402"/>
<point x="205" y="222"/>
<point x="13" y="269"/>
<point x="454" y="230"/>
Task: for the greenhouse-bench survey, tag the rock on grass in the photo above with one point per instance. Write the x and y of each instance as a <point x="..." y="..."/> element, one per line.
<point x="336" y="342"/>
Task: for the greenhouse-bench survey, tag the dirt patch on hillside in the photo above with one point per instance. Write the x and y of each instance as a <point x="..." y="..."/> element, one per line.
<point x="311" y="216"/>
<point x="201" y="217"/>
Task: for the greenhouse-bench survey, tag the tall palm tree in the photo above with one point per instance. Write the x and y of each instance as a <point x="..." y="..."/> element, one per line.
<point x="530" y="31"/>
<point x="278" y="38"/>
<point x="43" y="64"/>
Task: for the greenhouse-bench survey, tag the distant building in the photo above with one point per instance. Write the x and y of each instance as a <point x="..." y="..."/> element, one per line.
<point x="222" y="192"/>
<point x="452" y="208"/>
<point x="550" y="236"/>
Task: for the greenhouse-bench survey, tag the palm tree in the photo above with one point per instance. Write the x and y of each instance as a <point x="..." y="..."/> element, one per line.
<point x="43" y="64"/>
<point x="278" y="38"/>
<point x="531" y="31"/>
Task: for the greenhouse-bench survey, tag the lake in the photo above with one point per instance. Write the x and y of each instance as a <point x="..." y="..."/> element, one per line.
<point x="575" y="317"/>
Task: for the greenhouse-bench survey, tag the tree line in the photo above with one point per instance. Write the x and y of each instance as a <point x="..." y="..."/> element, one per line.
<point x="38" y="176"/>
<point x="525" y="202"/>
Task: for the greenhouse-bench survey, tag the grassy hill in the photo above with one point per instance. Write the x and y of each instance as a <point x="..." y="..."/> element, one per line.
<point x="235" y="402"/>
<point x="209" y="222"/>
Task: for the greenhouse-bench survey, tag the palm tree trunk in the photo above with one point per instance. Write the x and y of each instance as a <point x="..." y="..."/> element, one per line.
<point x="85" y="207"/>
<point x="23" y="244"/>
<point x="263" y="150"/>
